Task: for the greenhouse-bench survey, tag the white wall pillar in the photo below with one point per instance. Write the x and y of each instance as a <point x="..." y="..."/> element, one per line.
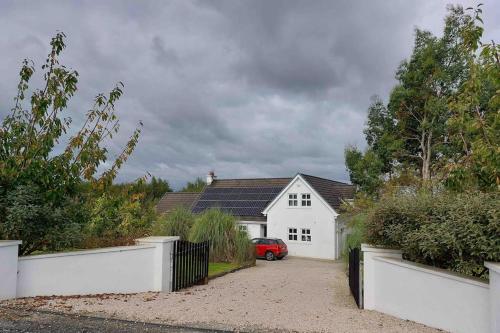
<point x="8" y="268"/>
<point x="163" y="260"/>
<point x="494" y="268"/>
<point x="369" y="252"/>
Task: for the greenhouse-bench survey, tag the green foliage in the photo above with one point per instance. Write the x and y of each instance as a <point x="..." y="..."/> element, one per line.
<point x="365" y="170"/>
<point x="227" y="243"/>
<point x="442" y="121"/>
<point x="357" y="234"/>
<point x="119" y="216"/>
<point x="177" y="222"/>
<point x="475" y="120"/>
<point x="28" y="215"/>
<point x="29" y="159"/>
<point x="197" y="186"/>
<point x="452" y="231"/>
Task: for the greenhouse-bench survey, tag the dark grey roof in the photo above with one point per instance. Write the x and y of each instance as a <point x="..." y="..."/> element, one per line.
<point x="247" y="198"/>
<point x="244" y="198"/>
<point x="331" y="191"/>
<point x="176" y="199"/>
<point x="251" y="182"/>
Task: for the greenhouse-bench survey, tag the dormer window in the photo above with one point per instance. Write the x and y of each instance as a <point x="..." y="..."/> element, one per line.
<point x="292" y="200"/>
<point x="306" y="199"/>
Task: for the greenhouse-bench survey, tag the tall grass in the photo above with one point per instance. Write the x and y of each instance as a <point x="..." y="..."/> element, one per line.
<point x="227" y="243"/>
<point x="177" y="222"/>
<point x="245" y="249"/>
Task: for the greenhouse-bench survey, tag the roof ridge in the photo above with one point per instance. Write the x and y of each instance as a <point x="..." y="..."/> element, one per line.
<point x="216" y="179"/>
<point x="330" y="180"/>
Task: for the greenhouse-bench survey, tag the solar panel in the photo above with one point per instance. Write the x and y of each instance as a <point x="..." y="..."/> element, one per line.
<point x="240" y="201"/>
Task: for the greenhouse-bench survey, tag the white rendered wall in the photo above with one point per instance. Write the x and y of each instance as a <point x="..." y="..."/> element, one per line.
<point x="8" y="268"/>
<point x="427" y="295"/>
<point x="369" y="285"/>
<point x="124" y="269"/>
<point x="318" y="217"/>
<point x="494" y="268"/>
<point x="254" y="229"/>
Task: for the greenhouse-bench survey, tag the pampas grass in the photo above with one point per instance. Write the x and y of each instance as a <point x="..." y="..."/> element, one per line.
<point x="227" y="243"/>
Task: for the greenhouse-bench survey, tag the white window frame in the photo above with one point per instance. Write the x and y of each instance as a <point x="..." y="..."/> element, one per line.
<point x="305" y="199"/>
<point x="305" y="235"/>
<point x="293" y="233"/>
<point x="293" y="200"/>
<point x="243" y="227"/>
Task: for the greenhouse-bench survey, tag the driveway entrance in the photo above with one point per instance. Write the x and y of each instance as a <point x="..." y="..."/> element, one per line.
<point x="287" y="295"/>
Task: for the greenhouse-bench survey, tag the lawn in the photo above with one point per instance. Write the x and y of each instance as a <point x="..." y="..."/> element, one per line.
<point x="215" y="268"/>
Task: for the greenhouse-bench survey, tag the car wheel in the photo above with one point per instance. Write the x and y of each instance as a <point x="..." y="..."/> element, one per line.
<point x="269" y="256"/>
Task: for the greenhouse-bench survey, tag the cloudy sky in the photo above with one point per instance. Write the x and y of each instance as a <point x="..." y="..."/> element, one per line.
<point x="245" y="88"/>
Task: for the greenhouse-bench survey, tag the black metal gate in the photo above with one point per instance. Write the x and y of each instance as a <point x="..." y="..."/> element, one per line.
<point x="354" y="278"/>
<point x="190" y="264"/>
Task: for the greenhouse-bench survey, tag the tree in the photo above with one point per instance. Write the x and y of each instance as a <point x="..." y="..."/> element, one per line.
<point x="365" y="170"/>
<point x="475" y="117"/>
<point x="436" y="68"/>
<point x="31" y="156"/>
<point x="412" y="134"/>
<point x="197" y="186"/>
<point x="380" y="134"/>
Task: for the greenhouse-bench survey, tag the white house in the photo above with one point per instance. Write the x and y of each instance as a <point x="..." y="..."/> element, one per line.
<point x="302" y="210"/>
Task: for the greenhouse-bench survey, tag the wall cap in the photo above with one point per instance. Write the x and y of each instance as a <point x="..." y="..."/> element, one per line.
<point x="157" y="239"/>
<point x="493" y="266"/>
<point x="88" y="252"/>
<point x="378" y="249"/>
<point x="10" y="243"/>
<point x="434" y="271"/>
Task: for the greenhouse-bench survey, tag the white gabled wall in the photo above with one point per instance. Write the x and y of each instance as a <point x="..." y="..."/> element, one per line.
<point x="319" y="218"/>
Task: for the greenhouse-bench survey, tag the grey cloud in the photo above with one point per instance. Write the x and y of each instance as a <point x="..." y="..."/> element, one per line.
<point x="249" y="89"/>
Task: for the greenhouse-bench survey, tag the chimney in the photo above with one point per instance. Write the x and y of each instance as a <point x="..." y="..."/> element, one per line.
<point x="210" y="177"/>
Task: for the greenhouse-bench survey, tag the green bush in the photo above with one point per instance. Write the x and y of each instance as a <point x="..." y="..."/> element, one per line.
<point x="177" y="222"/>
<point x="452" y="231"/>
<point x="357" y="233"/>
<point x="245" y="249"/>
<point x="227" y="243"/>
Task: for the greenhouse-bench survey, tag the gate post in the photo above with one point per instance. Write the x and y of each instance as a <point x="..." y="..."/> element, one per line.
<point x="8" y="268"/>
<point x="369" y="252"/>
<point x="494" y="268"/>
<point x="162" y="261"/>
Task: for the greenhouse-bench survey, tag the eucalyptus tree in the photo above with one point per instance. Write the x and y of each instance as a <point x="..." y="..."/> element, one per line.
<point x="434" y="72"/>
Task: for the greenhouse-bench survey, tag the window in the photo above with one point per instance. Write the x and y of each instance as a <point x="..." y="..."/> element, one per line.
<point x="242" y="227"/>
<point x="306" y="199"/>
<point x="292" y="234"/>
<point x="292" y="200"/>
<point x="306" y="235"/>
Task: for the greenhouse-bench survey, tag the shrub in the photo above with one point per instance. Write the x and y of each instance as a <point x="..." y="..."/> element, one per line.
<point x="227" y="243"/>
<point x="452" y="231"/>
<point x="357" y="232"/>
<point x="245" y="250"/>
<point x="177" y="222"/>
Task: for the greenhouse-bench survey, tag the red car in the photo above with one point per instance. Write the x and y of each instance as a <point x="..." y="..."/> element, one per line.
<point x="270" y="248"/>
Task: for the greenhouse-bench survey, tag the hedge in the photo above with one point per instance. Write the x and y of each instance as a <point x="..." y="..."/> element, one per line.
<point x="452" y="231"/>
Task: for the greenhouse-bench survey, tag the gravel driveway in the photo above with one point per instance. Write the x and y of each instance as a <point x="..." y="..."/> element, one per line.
<point x="293" y="294"/>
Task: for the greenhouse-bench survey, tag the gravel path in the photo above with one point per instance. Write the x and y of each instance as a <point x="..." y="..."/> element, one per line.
<point x="289" y="295"/>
